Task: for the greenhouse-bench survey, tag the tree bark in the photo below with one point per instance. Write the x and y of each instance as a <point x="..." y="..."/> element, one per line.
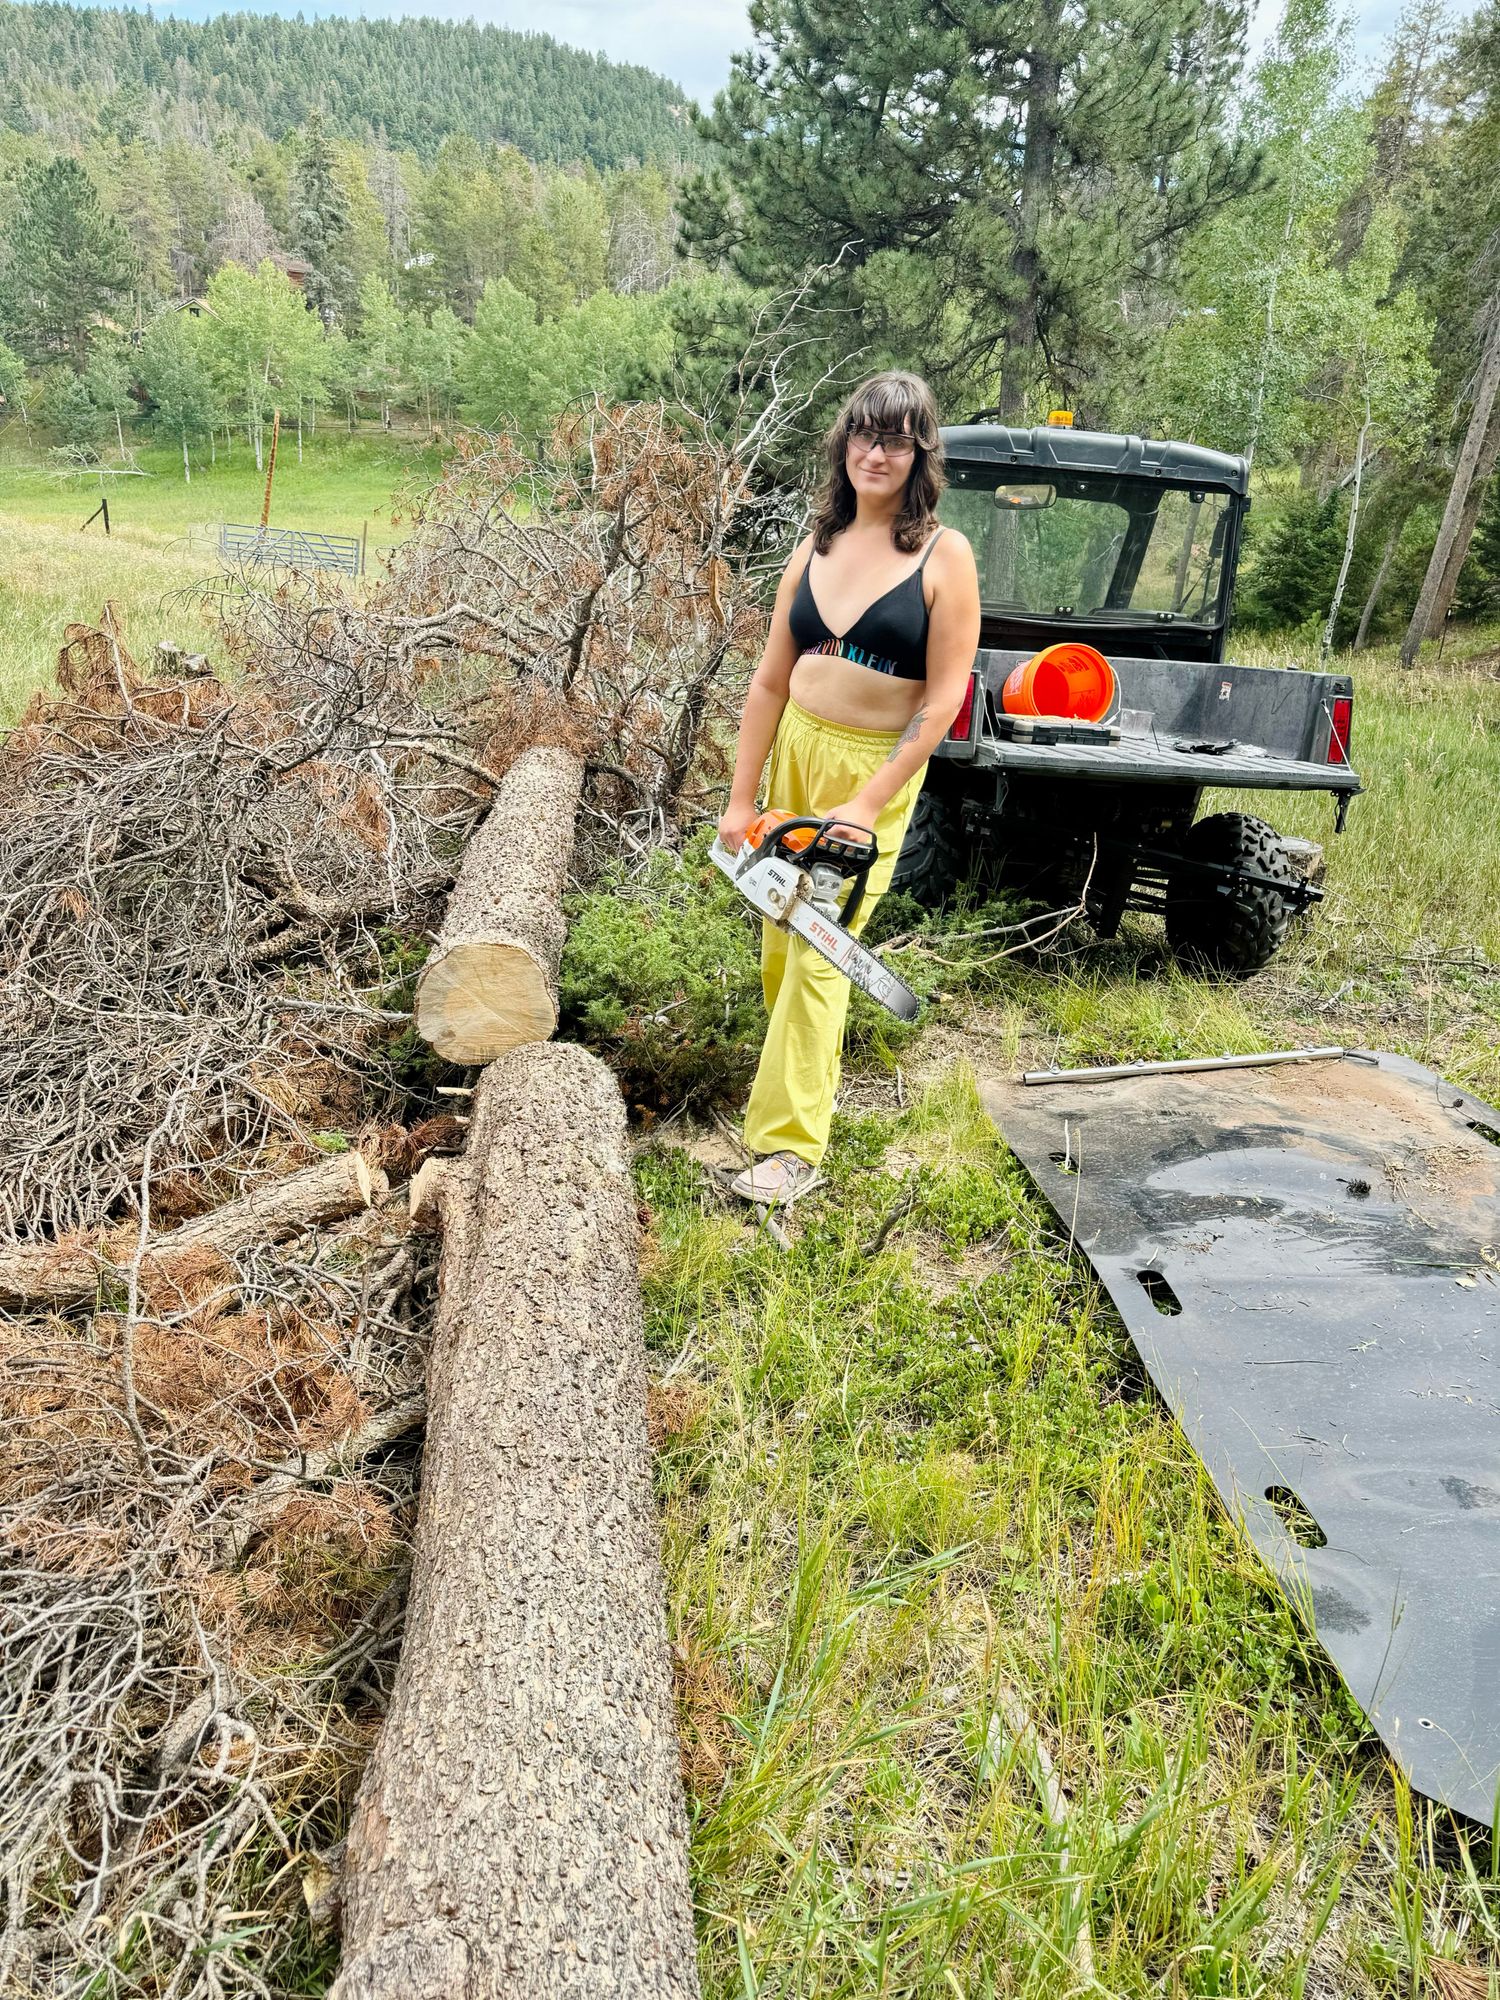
<point x="59" y="1274"/>
<point x="1353" y="529"/>
<point x="520" y="1832"/>
<point x="1258" y="399"/>
<point x="1422" y="619"/>
<point x="491" y="981"/>
<point x="1017" y="362"/>
<point x="1467" y="522"/>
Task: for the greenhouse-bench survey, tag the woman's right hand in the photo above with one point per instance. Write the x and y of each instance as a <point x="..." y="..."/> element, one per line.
<point x="735" y="824"/>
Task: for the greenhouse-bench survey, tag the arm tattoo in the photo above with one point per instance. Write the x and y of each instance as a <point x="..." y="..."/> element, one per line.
<point x="912" y="731"/>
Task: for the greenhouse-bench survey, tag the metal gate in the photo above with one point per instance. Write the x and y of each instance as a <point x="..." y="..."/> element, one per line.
<point x="292" y="548"/>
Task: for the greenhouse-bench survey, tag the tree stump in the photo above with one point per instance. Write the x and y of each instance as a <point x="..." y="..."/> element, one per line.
<point x="490" y="983"/>
<point x="520" y="1830"/>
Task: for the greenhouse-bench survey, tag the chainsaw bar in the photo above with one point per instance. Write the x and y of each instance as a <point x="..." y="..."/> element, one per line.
<point x="857" y="962"/>
<point x="780" y="892"/>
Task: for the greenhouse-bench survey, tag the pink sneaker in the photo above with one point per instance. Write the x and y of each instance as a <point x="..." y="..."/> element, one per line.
<point x="777" y="1180"/>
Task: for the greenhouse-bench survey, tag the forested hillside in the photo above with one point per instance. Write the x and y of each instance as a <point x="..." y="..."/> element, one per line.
<point x="433" y="193"/>
<point x="75" y="74"/>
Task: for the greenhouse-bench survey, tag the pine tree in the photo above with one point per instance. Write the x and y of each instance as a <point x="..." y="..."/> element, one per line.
<point x="70" y="410"/>
<point x="991" y="181"/>
<point x="319" y="219"/>
<point x="68" y="264"/>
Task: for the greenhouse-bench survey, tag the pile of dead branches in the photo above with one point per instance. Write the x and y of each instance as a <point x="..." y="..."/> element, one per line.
<point x="210" y="1326"/>
<point x="202" y="1528"/>
<point x="166" y="851"/>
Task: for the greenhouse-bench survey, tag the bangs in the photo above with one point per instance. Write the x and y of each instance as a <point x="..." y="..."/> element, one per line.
<point x="885" y="405"/>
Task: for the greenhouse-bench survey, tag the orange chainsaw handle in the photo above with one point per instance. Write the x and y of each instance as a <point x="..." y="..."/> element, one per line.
<point x="764" y="824"/>
<point x="807" y="835"/>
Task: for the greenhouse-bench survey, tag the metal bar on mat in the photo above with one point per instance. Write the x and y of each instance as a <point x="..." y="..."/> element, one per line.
<point x="1113" y="1072"/>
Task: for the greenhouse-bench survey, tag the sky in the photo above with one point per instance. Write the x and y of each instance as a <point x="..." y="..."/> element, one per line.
<point x="690" y="41"/>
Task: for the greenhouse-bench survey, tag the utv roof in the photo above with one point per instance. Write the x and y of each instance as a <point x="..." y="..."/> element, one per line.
<point x="1054" y="446"/>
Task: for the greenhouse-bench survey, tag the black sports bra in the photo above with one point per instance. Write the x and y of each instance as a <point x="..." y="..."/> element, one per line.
<point x="889" y="635"/>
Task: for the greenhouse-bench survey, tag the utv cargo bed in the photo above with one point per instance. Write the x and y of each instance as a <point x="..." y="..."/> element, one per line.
<point x="1260" y="728"/>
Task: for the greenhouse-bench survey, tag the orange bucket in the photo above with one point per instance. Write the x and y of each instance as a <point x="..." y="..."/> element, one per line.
<point x="1068" y="679"/>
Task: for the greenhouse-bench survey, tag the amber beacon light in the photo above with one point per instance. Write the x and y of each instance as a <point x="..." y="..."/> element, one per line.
<point x="1060" y="420"/>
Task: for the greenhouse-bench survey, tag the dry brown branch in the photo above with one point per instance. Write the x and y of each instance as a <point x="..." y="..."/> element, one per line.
<point x="151" y="1735"/>
<point x="67" y="1272"/>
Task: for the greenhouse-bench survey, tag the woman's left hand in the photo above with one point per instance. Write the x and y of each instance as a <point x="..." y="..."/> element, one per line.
<point x="854" y="818"/>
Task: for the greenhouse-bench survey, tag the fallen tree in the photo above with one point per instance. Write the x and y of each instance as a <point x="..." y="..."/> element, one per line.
<point x="490" y="982"/>
<point x="520" y="1827"/>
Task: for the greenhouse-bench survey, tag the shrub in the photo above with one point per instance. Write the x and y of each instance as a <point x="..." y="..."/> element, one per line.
<point x="73" y="414"/>
<point x="661" y="976"/>
<point x="1292" y="566"/>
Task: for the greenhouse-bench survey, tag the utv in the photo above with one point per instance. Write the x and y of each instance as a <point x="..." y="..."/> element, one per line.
<point x="1130" y="546"/>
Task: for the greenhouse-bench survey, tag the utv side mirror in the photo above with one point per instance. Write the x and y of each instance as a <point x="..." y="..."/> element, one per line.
<point x="1026" y="496"/>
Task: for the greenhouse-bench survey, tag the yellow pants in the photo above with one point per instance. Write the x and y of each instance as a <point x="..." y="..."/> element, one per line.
<point x="815" y="765"/>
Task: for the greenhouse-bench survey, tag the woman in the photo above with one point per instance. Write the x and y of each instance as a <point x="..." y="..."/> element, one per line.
<point x="872" y="639"/>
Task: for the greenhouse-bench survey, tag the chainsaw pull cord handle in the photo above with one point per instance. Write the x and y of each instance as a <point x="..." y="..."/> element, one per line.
<point x="815" y="849"/>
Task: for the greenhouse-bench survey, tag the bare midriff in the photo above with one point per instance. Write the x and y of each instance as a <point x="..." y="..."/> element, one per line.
<point x="842" y="691"/>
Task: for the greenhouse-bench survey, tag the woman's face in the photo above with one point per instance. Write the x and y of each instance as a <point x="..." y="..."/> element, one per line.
<point x="879" y="461"/>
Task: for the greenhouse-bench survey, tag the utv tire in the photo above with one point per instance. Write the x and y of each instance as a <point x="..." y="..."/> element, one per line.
<point x="930" y="863"/>
<point x="1237" y="928"/>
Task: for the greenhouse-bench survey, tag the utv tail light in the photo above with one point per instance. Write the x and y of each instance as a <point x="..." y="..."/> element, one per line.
<point x="1338" y="735"/>
<point x="963" y="722"/>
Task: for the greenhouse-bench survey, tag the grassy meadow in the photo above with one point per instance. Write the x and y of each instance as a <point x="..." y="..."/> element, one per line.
<point x="163" y="540"/>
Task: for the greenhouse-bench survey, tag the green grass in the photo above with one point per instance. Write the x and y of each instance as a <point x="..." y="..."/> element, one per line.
<point x="923" y="1533"/>
<point x="1414" y="870"/>
<point x="164" y="535"/>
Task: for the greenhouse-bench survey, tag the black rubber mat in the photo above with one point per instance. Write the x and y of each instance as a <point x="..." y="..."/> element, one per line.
<point x="1308" y="1261"/>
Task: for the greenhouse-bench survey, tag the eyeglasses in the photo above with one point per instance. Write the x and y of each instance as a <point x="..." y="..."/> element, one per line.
<point x="896" y="444"/>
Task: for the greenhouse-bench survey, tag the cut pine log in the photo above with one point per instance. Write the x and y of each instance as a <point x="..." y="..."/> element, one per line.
<point x="520" y="1830"/>
<point x="490" y="983"/>
<point x="67" y="1273"/>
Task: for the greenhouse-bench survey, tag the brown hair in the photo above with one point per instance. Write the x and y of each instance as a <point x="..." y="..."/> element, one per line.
<point x="885" y="402"/>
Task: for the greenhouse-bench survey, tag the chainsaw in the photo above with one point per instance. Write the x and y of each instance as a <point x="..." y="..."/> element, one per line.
<point x="793" y="871"/>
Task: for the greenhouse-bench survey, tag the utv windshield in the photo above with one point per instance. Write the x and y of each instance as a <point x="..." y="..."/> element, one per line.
<point x="1060" y="544"/>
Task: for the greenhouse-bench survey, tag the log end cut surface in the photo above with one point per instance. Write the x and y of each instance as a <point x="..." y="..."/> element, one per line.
<point x="491" y="982"/>
<point x="478" y="1000"/>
